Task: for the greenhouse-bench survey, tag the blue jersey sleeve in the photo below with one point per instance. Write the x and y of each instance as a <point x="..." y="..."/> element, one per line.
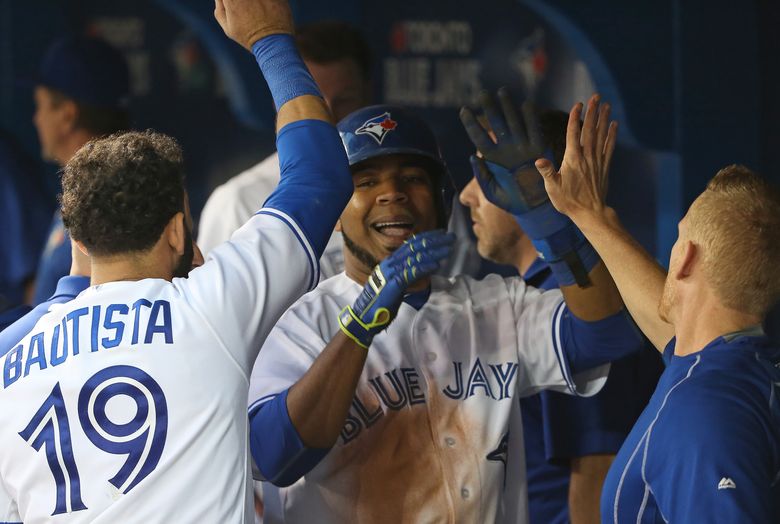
<point x="577" y="426"/>
<point x="316" y="183"/>
<point x="711" y="457"/>
<point x="587" y="345"/>
<point x="276" y="447"/>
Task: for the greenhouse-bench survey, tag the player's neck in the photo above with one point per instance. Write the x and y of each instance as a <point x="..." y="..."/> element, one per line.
<point x="525" y="255"/>
<point x="129" y="267"/>
<point x="700" y="322"/>
<point x="71" y="145"/>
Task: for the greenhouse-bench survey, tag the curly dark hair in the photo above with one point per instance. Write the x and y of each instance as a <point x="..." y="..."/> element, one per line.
<point x="119" y="192"/>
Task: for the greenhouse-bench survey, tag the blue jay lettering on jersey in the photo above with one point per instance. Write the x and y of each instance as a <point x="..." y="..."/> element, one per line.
<point x="396" y="389"/>
<point x="496" y="384"/>
<point x="107" y="328"/>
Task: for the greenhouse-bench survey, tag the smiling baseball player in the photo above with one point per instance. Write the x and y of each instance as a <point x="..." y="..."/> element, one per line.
<point x="428" y="435"/>
<point x="126" y="403"/>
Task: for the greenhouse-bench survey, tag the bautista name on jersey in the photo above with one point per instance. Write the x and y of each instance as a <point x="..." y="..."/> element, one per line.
<point x="107" y="326"/>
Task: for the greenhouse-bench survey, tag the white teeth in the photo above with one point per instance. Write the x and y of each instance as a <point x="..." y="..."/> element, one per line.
<point x="393" y="224"/>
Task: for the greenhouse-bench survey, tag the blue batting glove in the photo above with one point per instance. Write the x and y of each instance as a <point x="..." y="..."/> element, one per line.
<point x="382" y="295"/>
<point x="509" y="179"/>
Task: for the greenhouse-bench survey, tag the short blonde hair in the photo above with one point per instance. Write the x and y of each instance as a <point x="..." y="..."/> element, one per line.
<point x="736" y="221"/>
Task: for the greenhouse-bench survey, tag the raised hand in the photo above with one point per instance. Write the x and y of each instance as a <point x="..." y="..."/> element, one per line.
<point x="382" y="295"/>
<point x="581" y="184"/>
<point x="247" y="21"/>
<point x="505" y="170"/>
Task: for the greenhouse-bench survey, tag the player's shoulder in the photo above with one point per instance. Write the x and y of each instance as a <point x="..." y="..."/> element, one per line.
<point x="712" y="402"/>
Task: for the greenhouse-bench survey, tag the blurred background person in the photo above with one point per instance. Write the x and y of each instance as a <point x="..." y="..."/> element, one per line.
<point x="24" y="213"/>
<point x="80" y="93"/>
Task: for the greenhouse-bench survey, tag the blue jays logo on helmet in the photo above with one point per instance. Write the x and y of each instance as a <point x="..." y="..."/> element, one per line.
<point x="394" y="130"/>
<point x="378" y="127"/>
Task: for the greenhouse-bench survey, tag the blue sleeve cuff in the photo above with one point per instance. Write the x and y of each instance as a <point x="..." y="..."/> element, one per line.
<point x="276" y="447"/>
<point x="316" y="183"/>
<point x="587" y="345"/>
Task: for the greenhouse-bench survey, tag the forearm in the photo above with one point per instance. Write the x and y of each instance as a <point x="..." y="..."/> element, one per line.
<point x="639" y="278"/>
<point x="318" y="403"/>
<point x="585" y="483"/>
<point x="597" y="301"/>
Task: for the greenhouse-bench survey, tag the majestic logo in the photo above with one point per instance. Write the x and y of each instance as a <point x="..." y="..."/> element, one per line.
<point x="726" y="483"/>
<point x="377" y="127"/>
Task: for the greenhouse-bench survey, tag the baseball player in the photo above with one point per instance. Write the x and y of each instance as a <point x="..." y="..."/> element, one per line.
<point x="126" y="403"/>
<point x="428" y="436"/>
<point x="707" y="447"/>
<point x="570" y="441"/>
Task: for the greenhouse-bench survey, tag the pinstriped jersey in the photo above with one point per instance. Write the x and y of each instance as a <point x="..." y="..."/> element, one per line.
<point x="428" y="437"/>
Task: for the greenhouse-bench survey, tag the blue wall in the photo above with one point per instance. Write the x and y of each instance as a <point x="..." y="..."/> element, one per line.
<point x="694" y="82"/>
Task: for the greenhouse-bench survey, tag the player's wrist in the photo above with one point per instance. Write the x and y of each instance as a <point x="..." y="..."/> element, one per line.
<point x="283" y="68"/>
<point x="351" y="325"/>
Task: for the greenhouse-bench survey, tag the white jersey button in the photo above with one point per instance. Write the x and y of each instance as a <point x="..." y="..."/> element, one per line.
<point x="464" y="493"/>
<point x="449" y="441"/>
<point x="431" y="356"/>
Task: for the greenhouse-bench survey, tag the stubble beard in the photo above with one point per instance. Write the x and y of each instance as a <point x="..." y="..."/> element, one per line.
<point x="359" y="253"/>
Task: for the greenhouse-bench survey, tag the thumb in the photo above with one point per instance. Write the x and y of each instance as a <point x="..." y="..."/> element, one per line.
<point x="546" y="168"/>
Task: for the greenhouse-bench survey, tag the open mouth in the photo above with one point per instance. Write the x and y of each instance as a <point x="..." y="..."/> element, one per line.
<point x="396" y="231"/>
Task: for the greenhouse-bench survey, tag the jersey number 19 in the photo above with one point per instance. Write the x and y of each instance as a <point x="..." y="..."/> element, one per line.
<point x="142" y="438"/>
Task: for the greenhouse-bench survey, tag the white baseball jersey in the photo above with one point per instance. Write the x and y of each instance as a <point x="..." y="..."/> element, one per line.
<point x="127" y="404"/>
<point x="429" y="436"/>
<point x="235" y="201"/>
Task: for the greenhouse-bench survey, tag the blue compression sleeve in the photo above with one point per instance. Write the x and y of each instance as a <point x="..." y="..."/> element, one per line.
<point x="316" y="183"/>
<point x="276" y="446"/>
<point x="591" y="344"/>
<point x="283" y="69"/>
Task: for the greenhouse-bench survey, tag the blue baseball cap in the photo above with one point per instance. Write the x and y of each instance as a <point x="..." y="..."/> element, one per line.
<point x="86" y="69"/>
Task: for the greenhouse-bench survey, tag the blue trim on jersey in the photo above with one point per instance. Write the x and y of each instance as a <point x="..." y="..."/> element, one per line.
<point x="563" y="361"/>
<point x="314" y="263"/>
<point x="67" y="289"/>
<point x="276" y="447"/>
<point x="256" y="404"/>
<point x="315" y="182"/>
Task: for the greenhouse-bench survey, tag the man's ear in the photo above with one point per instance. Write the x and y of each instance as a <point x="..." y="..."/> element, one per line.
<point x="69" y="114"/>
<point x="690" y="259"/>
<point x="175" y="233"/>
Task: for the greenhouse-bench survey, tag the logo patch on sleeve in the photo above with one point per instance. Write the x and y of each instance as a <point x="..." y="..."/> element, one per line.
<point x="726" y="483"/>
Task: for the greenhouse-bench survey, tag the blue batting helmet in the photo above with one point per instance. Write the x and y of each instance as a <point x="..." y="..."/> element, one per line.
<point x="383" y="130"/>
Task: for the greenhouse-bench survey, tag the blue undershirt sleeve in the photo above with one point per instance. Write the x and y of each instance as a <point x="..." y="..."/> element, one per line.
<point x="276" y="447"/>
<point x="316" y="183"/>
<point x="587" y="345"/>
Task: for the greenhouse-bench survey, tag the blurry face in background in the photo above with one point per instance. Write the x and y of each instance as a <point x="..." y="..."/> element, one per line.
<point x="498" y="234"/>
<point x="50" y="121"/>
<point x="342" y="86"/>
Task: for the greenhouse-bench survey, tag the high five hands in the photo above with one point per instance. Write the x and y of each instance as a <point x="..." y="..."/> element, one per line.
<point x="580" y="186"/>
